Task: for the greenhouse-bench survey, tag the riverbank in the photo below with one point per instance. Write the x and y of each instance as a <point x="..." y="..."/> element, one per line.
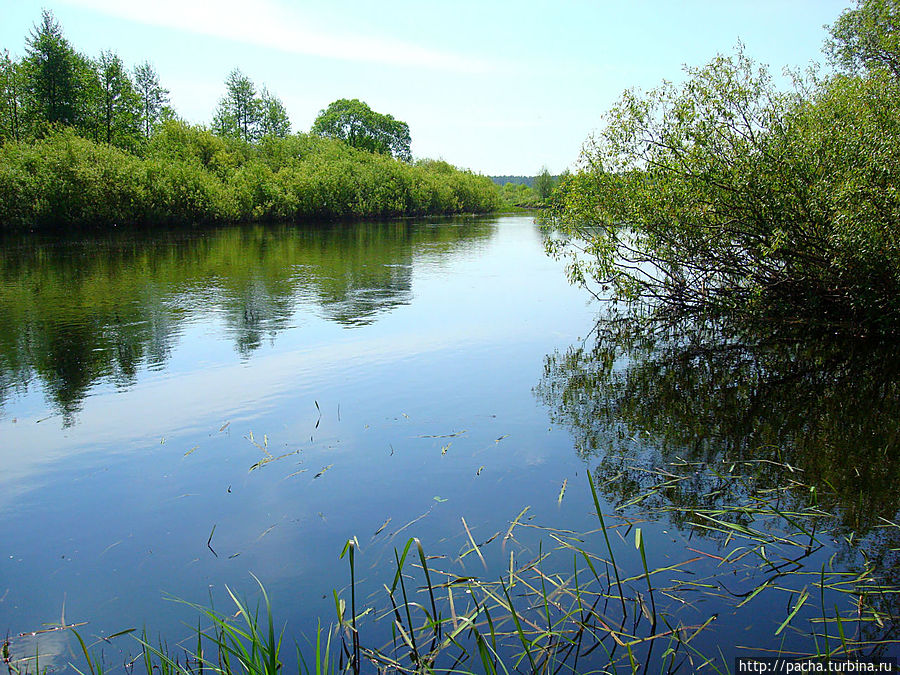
<point x="187" y="175"/>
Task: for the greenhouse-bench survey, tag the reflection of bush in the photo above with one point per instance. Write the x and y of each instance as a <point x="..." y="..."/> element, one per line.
<point x="828" y="408"/>
<point x="82" y="310"/>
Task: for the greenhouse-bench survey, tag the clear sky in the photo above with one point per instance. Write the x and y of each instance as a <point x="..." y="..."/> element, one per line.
<point x="498" y="87"/>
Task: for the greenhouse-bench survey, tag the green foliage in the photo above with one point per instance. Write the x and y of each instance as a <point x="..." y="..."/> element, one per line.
<point x="244" y="115"/>
<point x="152" y="97"/>
<point x="119" y="103"/>
<point x="867" y="37"/>
<point x="238" y="111"/>
<point x="56" y="105"/>
<point x="724" y="195"/>
<point x="355" y="123"/>
<point x="51" y="68"/>
<point x="64" y="178"/>
<point x="11" y="98"/>
<point x="53" y="85"/>
<point x="519" y="195"/>
<point x="273" y="118"/>
<point x="188" y="174"/>
<point x="544" y="184"/>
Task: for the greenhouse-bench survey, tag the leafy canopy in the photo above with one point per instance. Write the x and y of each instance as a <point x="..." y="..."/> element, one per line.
<point x="355" y="123"/>
<point x="867" y="37"/>
<point x="724" y="195"/>
<point x="244" y="114"/>
<point x="153" y="98"/>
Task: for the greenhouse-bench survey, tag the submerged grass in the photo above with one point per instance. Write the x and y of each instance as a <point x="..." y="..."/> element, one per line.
<point x="572" y="609"/>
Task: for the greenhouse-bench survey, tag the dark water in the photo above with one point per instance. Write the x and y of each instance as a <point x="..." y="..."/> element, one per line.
<point x="293" y="388"/>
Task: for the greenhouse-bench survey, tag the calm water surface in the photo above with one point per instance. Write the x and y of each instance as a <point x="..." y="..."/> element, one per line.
<point x="295" y="387"/>
<point x="388" y="367"/>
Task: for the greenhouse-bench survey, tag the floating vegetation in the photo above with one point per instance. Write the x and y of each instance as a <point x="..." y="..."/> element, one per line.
<point x="324" y="469"/>
<point x="383" y="525"/>
<point x="269" y="457"/>
<point x="562" y="491"/>
<point x="453" y="435"/>
<point x="209" y="541"/>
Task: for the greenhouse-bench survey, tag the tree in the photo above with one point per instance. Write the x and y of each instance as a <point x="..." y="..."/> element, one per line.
<point x="273" y="118"/>
<point x="153" y="98"/>
<point x="61" y="84"/>
<point x="355" y="123"/>
<point x="51" y="71"/>
<point x="239" y="110"/>
<point x="11" y="98"/>
<point x="723" y="195"/>
<point x="867" y="37"/>
<point x="544" y="184"/>
<point x="119" y="104"/>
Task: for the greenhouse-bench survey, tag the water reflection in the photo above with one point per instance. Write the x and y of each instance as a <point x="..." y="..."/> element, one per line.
<point x="824" y="411"/>
<point x="82" y="311"/>
<point x="722" y="433"/>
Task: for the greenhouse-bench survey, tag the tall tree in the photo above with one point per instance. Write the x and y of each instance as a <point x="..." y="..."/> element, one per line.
<point x="119" y="104"/>
<point x="354" y="122"/>
<point x="153" y="98"/>
<point x="273" y="118"/>
<point x="239" y="110"/>
<point x="11" y="98"/>
<point x="51" y="71"/>
<point x="544" y="184"/>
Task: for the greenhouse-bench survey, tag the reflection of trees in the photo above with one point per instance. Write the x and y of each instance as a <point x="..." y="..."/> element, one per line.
<point x="792" y="438"/>
<point x="78" y="311"/>
<point x="828" y="408"/>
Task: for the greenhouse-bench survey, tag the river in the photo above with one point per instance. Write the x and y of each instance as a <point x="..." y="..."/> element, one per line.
<point x="182" y="409"/>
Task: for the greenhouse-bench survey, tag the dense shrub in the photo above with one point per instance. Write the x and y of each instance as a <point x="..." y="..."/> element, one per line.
<point x="723" y="195"/>
<point x="188" y="175"/>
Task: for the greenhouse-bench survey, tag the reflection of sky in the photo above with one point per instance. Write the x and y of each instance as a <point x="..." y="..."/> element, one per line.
<point x="193" y="400"/>
<point x="116" y="509"/>
<point x="478" y="298"/>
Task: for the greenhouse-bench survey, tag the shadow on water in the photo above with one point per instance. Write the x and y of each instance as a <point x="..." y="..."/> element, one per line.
<point x="84" y="310"/>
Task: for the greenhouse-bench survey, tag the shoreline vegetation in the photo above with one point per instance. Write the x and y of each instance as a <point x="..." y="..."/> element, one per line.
<point x="86" y="142"/>
<point x="188" y="175"/>
<point x="727" y="194"/>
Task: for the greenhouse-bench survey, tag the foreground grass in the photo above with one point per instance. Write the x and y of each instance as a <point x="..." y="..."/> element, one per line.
<point x="576" y="607"/>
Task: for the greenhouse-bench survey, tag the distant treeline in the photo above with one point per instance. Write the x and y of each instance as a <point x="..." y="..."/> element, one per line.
<point x="515" y="180"/>
<point x="527" y="192"/>
<point x="86" y="142"/>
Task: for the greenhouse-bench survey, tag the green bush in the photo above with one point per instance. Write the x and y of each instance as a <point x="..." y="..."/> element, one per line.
<point x="723" y="195"/>
<point x="188" y="175"/>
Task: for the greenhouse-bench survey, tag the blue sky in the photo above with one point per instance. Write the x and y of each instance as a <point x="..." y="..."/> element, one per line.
<point x="498" y="87"/>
